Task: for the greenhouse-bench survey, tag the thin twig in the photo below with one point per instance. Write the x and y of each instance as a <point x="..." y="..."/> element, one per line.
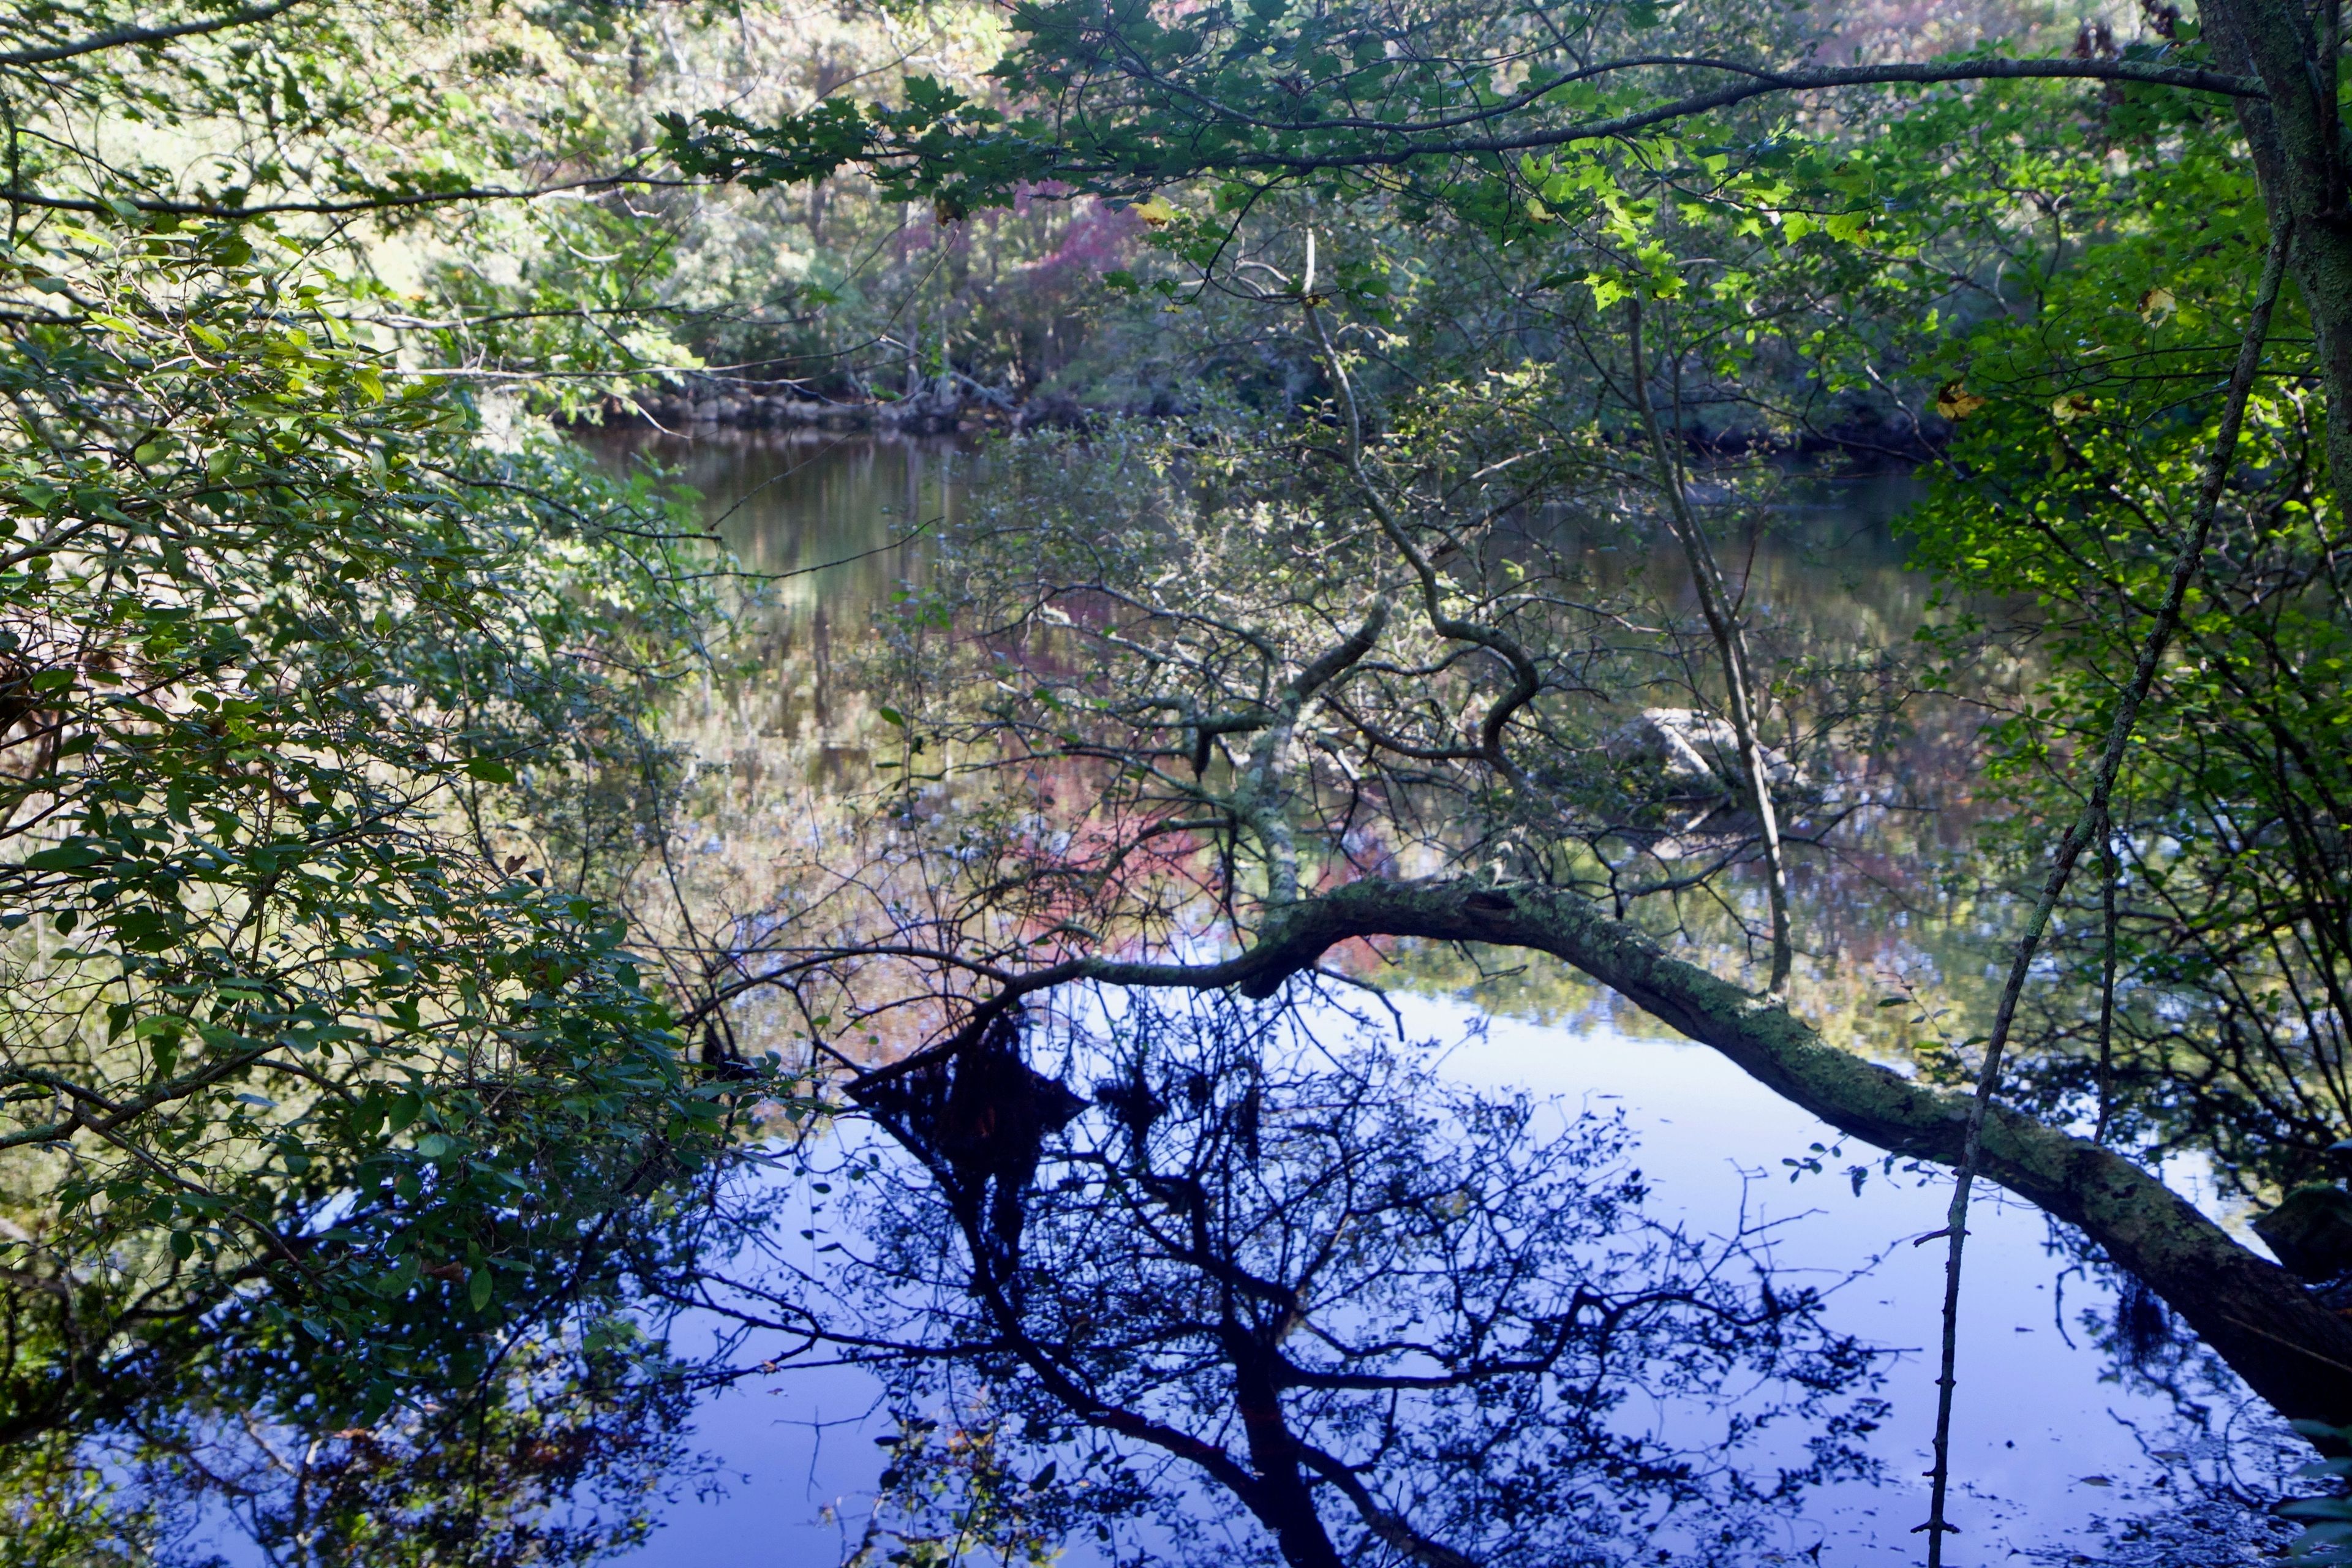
<point x="2086" y="825"/>
<point x="1731" y="648"/>
<point x="143" y="37"/>
<point x="2108" y="871"/>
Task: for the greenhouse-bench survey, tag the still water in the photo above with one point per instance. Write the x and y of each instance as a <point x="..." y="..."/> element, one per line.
<point x="2065" y="1452"/>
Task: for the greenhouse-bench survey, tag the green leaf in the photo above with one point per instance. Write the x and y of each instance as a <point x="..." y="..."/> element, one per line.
<point x="75" y="855"/>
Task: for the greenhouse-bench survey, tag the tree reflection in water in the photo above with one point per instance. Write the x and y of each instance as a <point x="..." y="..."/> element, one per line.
<point x="1279" y="1274"/>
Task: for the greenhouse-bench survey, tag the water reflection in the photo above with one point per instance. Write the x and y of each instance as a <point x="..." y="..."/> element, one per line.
<point x="829" y="528"/>
<point x="1272" y="1272"/>
<point x="2068" y="1455"/>
<point x="2052" y="1430"/>
<point x="830" y="511"/>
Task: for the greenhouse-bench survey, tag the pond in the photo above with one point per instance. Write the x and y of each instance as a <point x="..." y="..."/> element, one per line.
<point x="2086" y="1430"/>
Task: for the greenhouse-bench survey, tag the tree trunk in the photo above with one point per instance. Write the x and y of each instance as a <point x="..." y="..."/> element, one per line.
<point x="1282" y="1501"/>
<point x="2297" y="140"/>
<point x="2290" y="1350"/>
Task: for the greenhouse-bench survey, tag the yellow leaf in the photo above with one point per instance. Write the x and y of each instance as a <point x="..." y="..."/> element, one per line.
<point x="2070" y="408"/>
<point x="1954" y="401"/>
<point x="2155" y="304"/>
<point x="1157" y="212"/>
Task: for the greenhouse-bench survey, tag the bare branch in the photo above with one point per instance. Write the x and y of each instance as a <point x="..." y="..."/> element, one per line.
<point x="139" y="38"/>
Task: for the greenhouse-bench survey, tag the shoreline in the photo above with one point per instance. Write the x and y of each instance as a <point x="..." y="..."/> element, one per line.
<point x="1863" y="444"/>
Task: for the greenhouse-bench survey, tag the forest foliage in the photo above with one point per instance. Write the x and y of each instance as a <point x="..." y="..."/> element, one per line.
<point x="366" y="1129"/>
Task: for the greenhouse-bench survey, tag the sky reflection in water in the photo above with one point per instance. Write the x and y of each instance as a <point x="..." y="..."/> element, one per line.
<point x="2055" y="1447"/>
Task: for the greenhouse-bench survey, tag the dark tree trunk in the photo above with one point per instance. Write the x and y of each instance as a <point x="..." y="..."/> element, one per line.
<point x="1284" y="1503"/>
<point x="2297" y="140"/>
<point x="2290" y="1350"/>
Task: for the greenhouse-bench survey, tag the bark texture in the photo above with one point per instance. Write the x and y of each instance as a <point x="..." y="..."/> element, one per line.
<point x="2290" y="1350"/>
<point x="2296" y="137"/>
